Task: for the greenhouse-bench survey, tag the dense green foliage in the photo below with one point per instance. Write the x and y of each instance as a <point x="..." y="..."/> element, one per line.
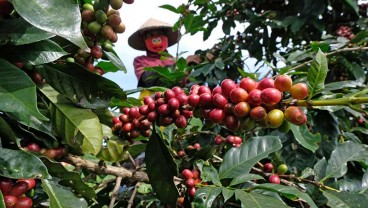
<point x="60" y="104"/>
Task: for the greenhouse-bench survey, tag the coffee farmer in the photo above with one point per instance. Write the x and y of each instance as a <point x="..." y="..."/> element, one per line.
<point x="154" y="37"/>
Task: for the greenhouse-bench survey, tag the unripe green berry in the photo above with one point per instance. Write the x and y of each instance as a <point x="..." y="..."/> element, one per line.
<point x="282" y="169"/>
<point x="275" y="118"/>
<point x="87" y="6"/>
<point x="101" y="16"/>
<point x="94" y="27"/>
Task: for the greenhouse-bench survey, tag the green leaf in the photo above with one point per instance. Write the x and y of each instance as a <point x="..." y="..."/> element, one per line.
<point x="245" y="178"/>
<point x="227" y="193"/>
<point x="18" y="32"/>
<point x="79" y="128"/>
<point x="18" y="164"/>
<point x="208" y="172"/>
<point x="170" y="8"/>
<point x="205" y="196"/>
<point x="256" y="200"/>
<point x="107" y="66"/>
<point x="289" y="192"/>
<point x="60" y="196"/>
<point x="353" y="5"/>
<point x="317" y="74"/>
<point x="82" y="87"/>
<point x="342" y="84"/>
<point x="345" y="199"/>
<point x="115" y="60"/>
<point x="320" y="169"/>
<point x="238" y="161"/>
<point x="359" y="129"/>
<point x="17" y="93"/>
<point x="161" y="170"/>
<point x="6" y="131"/>
<point x="59" y="17"/>
<point x="136" y="149"/>
<point x="69" y="178"/>
<point x="305" y="137"/>
<point x="115" y="150"/>
<point x="348" y="151"/>
<point x="2" y="204"/>
<point x="41" y="52"/>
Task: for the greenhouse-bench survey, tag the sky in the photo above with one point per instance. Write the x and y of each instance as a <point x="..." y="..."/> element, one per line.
<point x="133" y="16"/>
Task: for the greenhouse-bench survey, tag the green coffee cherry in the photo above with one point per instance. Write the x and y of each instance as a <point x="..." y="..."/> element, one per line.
<point x="282" y="169"/>
<point x="87" y="6"/>
<point x="100" y="16"/>
<point x="70" y="60"/>
<point x="116" y="4"/>
<point x="94" y="27"/>
<point x="106" y="46"/>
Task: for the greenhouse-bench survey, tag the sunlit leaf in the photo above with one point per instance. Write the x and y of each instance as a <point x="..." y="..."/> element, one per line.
<point x="59" y="17"/>
<point x="317" y="74"/>
<point x="20" y="164"/>
<point x="18" y="32"/>
<point x="305" y="137"/>
<point x="238" y="161"/>
<point x="256" y="200"/>
<point x="79" y="128"/>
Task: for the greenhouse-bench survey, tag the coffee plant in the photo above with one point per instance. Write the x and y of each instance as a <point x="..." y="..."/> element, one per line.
<point x="287" y="131"/>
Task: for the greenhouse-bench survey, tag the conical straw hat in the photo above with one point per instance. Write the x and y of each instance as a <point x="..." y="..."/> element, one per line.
<point x="136" y="39"/>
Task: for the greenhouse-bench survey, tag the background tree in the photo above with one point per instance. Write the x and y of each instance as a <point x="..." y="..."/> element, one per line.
<point x="232" y="136"/>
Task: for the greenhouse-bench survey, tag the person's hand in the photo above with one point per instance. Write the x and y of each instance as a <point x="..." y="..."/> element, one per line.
<point x="193" y="59"/>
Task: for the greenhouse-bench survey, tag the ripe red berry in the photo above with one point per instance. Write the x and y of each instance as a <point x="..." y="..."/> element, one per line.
<point x="23" y="202"/>
<point x="299" y="91"/>
<point x="218" y="140"/>
<point x="187" y="174"/>
<point x="248" y="84"/>
<point x="10" y="201"/>
<point x="238" y="95"/>
<point x="115" y="119"/>
<point x="204" y="89"/>
<point x="266" y="83"/>
<point x="241" y="109"/>
<point x="152" y="116"/>
<point x="19" y="189"/>
<point x="183" y="99"/>
<point x="178" y="90"/>
<point x="96" y="52"/>
<point x="191" y="191"/>
<point x="217" y="115"/>
<point x="268" y="167"/>
<point x="148" y="99"/>
<point x="193" y="100"/>
<point x="194" y="89"/>
<point x="254" y="97"/>
<point x="181" y="121"/>
<point x="197" y="146"/>
<point x="226" y="86"/>
<point x="270" y="96"/>
<point x="219" y="100"/>
<point x="181" y="153"/>
<point x="173" y="103"/>
<point x="231" y="122"/>
<point x="230" y="139"/>
<point x="283" y="82"/>
<point x="205" y="100"/>
<point x="196" y="174"/>
<point x="127" y="127"/>
<point x="258" y="113"/>
<point x="124" y="118"/>
<point x="274" y="179"/>
<point x="295" y="115"/>
<point x="5" y="185"/>
<point x="34" y="147"/>
<point x="164" y="109"/>
<point x="31" y="182"/>
<point x="134" y="112"/>
<point x="216" y="90"/>
<point x="190" y="182"/>
<point x="168" y="94"/>
<point x="237" y="140"/>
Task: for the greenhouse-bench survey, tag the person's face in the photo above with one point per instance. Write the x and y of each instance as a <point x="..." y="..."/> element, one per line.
<point x="156" y="41"/>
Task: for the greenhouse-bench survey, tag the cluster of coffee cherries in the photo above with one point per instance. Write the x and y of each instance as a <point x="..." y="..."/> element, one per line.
<point x="100" y="27"/>
<point x="14" y="191"/>
<point x="233" y="140"/>
<point x="274" y="177"/>
<point x="192" y="178"/>
<point x="345" y="31"/>
<point x="233" y="104"/>
<point x="51" y="153"/>
<point x="165" y="108"/>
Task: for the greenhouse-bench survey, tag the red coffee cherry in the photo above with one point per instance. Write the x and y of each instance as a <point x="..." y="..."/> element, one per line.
<point x="270" y="96"/>
<point x="204" y="89"/>
<point x="219" y="100"/>
<point x="23" y="202"/>
<point x="193" y="100"/>
<point x="181" y="121"/>
<point x="268" y="167"/>
<point x="274" y="179"/>
<point x="283" y="82"/>
<point x="218" y="140"/>
<point x="295" y="115"/>
<point x="299" y="91"/>
<point x="19" y="189"/>
<point x="10" y="201"/>
<point x="254" y="97"/>
<point x="238" y="95"/>
<point x="258" y="113"/>
<point x="217" y="115"/>
<point x="190" y="182"/>
<point x="266" y="83"/>
<point x="187" y="174"/>
<point x="241" y="109"/>
<point x="248" y="84"/>
<point x="5" y="185"/>
<point x="226" y="86"/>
<point x="30" y="181"/>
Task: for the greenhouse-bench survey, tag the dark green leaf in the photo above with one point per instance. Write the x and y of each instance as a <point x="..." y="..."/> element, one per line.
<point x="342" y="84"/>
<point x="69" y="178"/>
<point x="161" y="170"/>
<point x="358" y="72"/>
<point x="238" y="161"/>
<point x="136" y="149"/>
<point x="227" y="193"/>
<point x="17" y="93"/>
<point x="353" y="5"/>
<point x="317" y="74"/>
<point x="289" y="192"/>
<point x="60" y="196"/>
<point x="169" y="7"/>
<point x="19" y="32"/>
<point x="348" y="151"/>
<point x="208" y="172"/>
<point x="79" y="128"/>
<point x="359" y="129"/>
<point x="307" y="172"/>
<point x="107" y="66"/>
<point x="6" y="131"/>
<point x="62" y="18"/>
<point x="82" y="87"/>
<point x="320" y="169"/>
<point x="19" y="164"/>
<point x="41" y="52"/>
<point x="115" y="150"/>
<point x="305" y="137"/>
<point x="256" y="200"/>
<point x="115" y="60"/>
<point x="205" y="196"/>
<point x="2" y="204"/>
<point x="345" y="199"/>
<point x="245" y="178"/>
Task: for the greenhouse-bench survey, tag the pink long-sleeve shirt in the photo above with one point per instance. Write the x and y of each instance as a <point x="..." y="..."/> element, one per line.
<point x="141" y="62"/>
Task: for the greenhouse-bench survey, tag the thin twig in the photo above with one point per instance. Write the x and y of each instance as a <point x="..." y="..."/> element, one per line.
<point x="115" y="191"/>
<point x="104" y="184"/>
<point x="131" y="199"/>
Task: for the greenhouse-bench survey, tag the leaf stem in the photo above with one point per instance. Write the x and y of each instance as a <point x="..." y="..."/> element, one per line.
<point x="346" y="101"/>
